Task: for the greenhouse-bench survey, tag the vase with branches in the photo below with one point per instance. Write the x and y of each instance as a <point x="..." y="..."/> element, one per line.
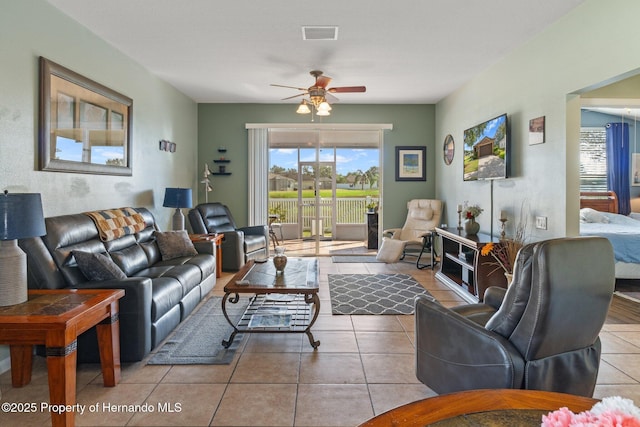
<point x="506" y="251"/>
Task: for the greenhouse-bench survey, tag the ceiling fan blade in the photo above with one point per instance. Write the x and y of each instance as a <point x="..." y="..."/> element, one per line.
<point x="344" y="89"/>
<point x="330" y="98"/>
<point x="294" y="96"/>
<point x="290" y="87"/>
<point x="323" y="81"/>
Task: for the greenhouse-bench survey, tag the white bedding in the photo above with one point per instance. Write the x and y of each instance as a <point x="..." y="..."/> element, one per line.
<point x="622" y="231"/>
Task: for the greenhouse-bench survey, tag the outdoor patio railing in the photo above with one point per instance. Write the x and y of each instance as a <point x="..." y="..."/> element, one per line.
<point x="349" y="210"/>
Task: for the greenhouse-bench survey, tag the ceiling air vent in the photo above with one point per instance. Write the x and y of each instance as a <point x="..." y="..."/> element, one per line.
<point x="310" y="32"/>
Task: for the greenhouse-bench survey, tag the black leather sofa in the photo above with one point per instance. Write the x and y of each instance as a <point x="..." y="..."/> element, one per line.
<point x="240" y="244"/>
<point x="159" y="293"/>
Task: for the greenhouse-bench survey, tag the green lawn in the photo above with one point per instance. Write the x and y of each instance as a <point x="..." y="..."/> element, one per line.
<point x="340" y="192"/>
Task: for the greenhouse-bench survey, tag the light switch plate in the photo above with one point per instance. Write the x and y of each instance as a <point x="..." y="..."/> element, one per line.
<point x="541" y="222"/>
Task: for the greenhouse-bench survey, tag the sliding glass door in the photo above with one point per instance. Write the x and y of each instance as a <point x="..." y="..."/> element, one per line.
<point x="320" y="184"/>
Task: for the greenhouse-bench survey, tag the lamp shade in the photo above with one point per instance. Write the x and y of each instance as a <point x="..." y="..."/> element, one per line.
<point x="21" y="216"/>
<point x="177" y="198"/>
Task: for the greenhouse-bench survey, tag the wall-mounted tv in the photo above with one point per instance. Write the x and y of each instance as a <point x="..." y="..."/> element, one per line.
<point x="486" y="150"/>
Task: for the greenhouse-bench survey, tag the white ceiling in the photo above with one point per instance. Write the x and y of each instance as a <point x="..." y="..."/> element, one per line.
<point x="403" y="51"/>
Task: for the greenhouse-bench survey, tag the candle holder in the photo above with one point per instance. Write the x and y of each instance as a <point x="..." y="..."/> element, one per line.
<point x="502" y="223"/>
<point x="459" y="218"/>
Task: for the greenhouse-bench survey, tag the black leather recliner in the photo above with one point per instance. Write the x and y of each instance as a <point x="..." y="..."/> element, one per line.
<point x="240" y="244"/>
<point x="540" y="334"/>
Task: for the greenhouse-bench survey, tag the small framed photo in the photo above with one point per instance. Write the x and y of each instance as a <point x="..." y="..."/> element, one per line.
<point x="411" y="163"/>
<point x="536" y="131"/>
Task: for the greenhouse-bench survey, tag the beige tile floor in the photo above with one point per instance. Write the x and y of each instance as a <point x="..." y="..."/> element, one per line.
<point x="364" y="366"/>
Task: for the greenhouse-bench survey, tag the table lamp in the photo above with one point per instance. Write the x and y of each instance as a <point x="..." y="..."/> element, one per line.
<point x="177" y="198"/>
<point x="20" y="217"/>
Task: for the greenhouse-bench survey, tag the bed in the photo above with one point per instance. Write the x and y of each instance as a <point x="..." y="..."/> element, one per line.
<point x="599" y="217"/>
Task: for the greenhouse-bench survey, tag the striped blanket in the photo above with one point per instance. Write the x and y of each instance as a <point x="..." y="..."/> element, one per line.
<point x="115" y="223"/>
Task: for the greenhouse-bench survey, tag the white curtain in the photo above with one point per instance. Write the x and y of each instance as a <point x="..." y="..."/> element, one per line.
<point x="258" y="176"/>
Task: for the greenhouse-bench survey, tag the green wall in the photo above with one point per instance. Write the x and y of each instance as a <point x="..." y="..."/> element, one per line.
<point x="224" y="125"/>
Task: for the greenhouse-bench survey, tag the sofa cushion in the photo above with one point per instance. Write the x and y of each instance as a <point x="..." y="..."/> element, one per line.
<point x="97" y="266"/>
<point x="152" y="251"/>
<point x="131" y="259"/>
<point x="174" y="244"/>
<point x="166" y="294"/>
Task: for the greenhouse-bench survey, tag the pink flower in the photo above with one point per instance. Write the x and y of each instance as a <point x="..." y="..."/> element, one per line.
<point x="611" y="412"/>
<point x="560" y="418"/>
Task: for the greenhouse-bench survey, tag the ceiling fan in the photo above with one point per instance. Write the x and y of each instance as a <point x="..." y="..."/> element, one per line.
<point x="319" y="94"/>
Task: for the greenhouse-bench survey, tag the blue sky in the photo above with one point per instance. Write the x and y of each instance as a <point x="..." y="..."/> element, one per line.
<point x="68" y="149"/>
<point x="347" y="159"/>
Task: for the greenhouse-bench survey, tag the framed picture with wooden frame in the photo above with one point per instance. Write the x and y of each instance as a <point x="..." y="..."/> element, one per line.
<point x="411" y="163"/>
<point x="85" y="127"/>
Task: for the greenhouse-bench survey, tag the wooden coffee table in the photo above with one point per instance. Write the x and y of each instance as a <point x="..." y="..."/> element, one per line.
<point x="481" y="408"/>
<point x="55" y="318"/>
<point x="281" y="303"/>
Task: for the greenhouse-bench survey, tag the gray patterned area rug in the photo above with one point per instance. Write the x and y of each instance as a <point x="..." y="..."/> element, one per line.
<point x="373" y="293"/>
<point x="198" y="339"/>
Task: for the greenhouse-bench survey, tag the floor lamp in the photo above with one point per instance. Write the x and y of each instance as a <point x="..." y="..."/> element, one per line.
<point x="20" y="218"/>
<point x="177" y="198"/>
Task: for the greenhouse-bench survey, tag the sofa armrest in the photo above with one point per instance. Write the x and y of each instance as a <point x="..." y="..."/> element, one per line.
<point x="205" y="247"/>
<point x="256" y="229"/>
<point x="134" y="313"/>
<point x="454" y="353"/>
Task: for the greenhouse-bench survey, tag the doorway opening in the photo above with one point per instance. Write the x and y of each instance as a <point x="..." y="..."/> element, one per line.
<point x="321" y="184"/>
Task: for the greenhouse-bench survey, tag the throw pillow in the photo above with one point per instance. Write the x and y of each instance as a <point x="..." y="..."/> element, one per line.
<point x="174" y="244"/>
<point x="96" y="266"/>
<point x="592" y="215"/>
<point x="390" y="250"/>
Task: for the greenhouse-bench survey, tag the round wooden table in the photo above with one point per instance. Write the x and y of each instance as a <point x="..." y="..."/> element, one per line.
<point x="449" y="406"/>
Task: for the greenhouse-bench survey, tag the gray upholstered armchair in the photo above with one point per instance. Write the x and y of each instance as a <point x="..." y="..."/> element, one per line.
<point x="239" y="244"/>
<point x="541" y="333"/>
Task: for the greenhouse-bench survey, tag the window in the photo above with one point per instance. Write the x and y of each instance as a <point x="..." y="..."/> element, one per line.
<point x="593" y="159"/>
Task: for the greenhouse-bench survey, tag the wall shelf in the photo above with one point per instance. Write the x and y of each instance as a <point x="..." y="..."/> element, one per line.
<point x="220" y="173"/>
<point x="221" y="161"/>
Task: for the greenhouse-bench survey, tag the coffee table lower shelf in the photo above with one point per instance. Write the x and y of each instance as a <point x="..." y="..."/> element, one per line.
<point x="275" y="313"/>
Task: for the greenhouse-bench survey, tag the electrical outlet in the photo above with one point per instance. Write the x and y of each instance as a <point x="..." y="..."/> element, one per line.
<point x="541" y="222"/>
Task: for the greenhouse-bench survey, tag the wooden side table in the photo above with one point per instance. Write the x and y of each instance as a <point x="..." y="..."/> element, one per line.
<point x="216" y="240"/>
<point x="55" y="318"/>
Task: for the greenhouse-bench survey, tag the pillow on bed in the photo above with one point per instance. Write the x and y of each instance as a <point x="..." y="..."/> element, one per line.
<point x="592" y="215"/>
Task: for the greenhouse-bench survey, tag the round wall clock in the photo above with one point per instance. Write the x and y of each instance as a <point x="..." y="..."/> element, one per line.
<point x="448" y="149"/>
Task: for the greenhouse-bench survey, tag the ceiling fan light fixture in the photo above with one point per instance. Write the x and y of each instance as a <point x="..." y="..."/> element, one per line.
<point x="323" y="113"/>
<point x="324" y="106"/>
<point x="303" y="108"/>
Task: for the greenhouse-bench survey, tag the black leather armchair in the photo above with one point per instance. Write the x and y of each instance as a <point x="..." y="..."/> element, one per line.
<point x="541" y="333"/>
<point x="240" y="244"/>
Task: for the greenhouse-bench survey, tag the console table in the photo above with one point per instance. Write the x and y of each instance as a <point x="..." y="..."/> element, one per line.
<point x="463" y="268"/>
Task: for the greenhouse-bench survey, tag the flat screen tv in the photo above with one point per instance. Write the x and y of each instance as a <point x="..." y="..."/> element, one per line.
<point x="486" y="150"/>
